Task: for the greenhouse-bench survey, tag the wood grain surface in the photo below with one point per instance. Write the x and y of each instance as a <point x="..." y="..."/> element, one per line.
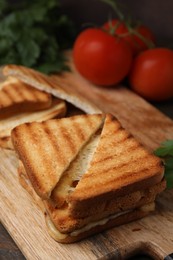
<point x="25" y="223"/>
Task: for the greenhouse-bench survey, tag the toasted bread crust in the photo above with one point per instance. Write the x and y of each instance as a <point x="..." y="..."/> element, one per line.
<point x="134" y="176"/>
<point x="121" y="163"/>
<point x="49" y="84"/>
<point x="17" y="96"/>
<point x="123" y="219"/>
<point x="57" y="109"/>
<point x="68" y="237"/>
<point x="5" y="142"/>
<point x="26" y="184"/>
<point x="56" y="143"/>
<point x="65" y="222"/>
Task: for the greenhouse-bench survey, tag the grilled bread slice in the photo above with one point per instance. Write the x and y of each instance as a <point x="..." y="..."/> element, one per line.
<point x="17" y="96"/>
<point x="55" y="157"/>
<point x="57" y="109"/>
<point x="119" y="165"/>
<point x="74" y="161"/>
<point x="67" y="229"/>
<point x="112" y="164"/>
<point x="47" y="149"/>
<point x="50" y="84"/>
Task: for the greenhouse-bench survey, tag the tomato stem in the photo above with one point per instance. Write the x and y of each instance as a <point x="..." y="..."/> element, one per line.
<point x="115" y="7"/>
<point x="149" y="43"/>
<point x="113" y="28"/>
<point x="128" y="22"/>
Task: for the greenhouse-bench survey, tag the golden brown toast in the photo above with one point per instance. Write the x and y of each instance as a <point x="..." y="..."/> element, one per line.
<point x="57" y="109"/>
<point x="17" y="96"/>
<point x="66" y="229"/>
<point x="74" y="161"/>
<point x="50" y="84"/>
<point x="106" y="178"/>
<point x="115" y="161"/>
<point x="97" y="226"/>
<point x="47" y="149"/>
<point x="119" y="165"/>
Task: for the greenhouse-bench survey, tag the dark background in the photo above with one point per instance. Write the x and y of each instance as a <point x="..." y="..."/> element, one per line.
<point x="157" y="14"/>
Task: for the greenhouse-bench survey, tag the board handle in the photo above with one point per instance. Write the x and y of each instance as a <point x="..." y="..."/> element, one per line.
<point x="169" y="257"/>
<point x="149" y="248"/>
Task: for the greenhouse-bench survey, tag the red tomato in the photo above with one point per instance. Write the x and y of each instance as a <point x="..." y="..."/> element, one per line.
<point x="101" y="58"/>
<point x="151" y="75"/>
<point x="136" y="43"/>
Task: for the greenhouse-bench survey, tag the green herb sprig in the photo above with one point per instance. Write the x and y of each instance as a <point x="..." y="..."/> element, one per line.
<point x="165" y="151"/>
<point x="34" y="33"/>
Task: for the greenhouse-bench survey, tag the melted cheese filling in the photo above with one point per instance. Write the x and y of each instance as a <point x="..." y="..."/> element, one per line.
<point x="74" y="173"/>
<point x="58" y="235"/>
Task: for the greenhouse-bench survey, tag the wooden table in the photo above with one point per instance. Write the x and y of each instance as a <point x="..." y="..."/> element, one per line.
<point x="8" y="249"/>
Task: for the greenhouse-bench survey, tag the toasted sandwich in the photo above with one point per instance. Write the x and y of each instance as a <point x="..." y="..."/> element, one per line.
<point x="51" y="84"/>
<point x="20" y="103"/>
<point x="88" y="174"/>
<point x="17" y="96"/>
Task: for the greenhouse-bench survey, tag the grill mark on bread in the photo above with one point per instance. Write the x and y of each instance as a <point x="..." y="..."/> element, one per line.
<point x="6" y="99"/>
<point x="44" y="162"/>
<point x="123" y="180"/>
<point x="20" y="93"/>
<point x="118" y="154"/>
<point x="114" y="131"/>
<point x="40" y="153"/>
<point x="65" y="135"/>
<point x="36" y="77"/>
<point x="29" y="168"/>
<point x="41" y="79"/>
<point x="123" y="166"/>
<point x="78" y="129"/>
<point x="29" y="93"/>
<point x="128" y="144"/>
<point x="131" y="174"/>
<point x="48" y="81"/>
<point x="60" y="156"/>
<point x="102" y="188"/>
<point x="16" y="93"/>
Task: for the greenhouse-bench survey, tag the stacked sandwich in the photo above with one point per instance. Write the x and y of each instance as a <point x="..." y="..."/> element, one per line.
<point x="20" y="103"/>
<point x="87" y="173"/>
<point x="28" y="95"/>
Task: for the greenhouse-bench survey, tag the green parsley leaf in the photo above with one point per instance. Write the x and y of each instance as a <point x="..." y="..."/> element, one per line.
<point x="169" y="177"/>
<point x="34" y="34"/>
<point x="165" y="151"/>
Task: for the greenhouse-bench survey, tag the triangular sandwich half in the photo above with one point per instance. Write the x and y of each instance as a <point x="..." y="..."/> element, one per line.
<point x="110" y="179"/>
<point x="54" y="145"/>
<point x="58" y="87"/>
<point x="20" y="103"/>
<point x="17" y="96"/>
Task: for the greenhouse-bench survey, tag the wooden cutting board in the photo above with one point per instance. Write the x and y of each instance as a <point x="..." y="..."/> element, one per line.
<point x="152" y="235"/>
